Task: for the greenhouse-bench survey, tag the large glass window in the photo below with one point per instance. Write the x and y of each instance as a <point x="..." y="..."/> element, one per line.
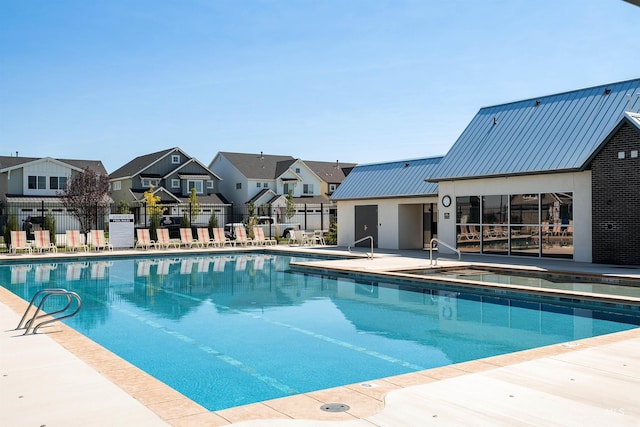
<point x="495" y="223"/>
<point x="556" y="211"/>
<point x="468" y="223"/>
<point x="57" y="182"/>
<point x="539" y="224"/>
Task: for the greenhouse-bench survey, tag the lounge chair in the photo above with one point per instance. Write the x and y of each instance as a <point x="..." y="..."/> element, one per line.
<point x="73" y="241"/>
<point x="19" y="242"/>
<point x="163" y="239"/>
<point x="42" y="241"/>
<point x="241" y="237"/>
<point x="144" y="239"/>
<point x="298" y="237"/>
<point x="204" y="238"/>
<point x="98" y="241"/>
<point x="259" y="239"/>
<point x="219" y="238"/>
<point x="186" y="238"/>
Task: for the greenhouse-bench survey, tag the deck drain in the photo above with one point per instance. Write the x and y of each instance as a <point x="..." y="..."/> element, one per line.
<point x="335" y="407"/>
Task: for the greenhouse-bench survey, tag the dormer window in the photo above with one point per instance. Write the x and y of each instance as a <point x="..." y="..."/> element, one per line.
<point x="332" y="187"/>
<point x="195" y="184"/>
<point x="175" y="159"/>
<point x="148" y="182"/>
<point x="175" y="183"/>
<point x="297" y="170"/>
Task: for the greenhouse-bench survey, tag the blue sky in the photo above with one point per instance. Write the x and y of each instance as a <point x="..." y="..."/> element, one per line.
<point x="352" y="80"/>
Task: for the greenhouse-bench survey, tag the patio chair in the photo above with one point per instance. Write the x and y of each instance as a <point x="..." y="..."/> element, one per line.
<point x="98" y="241"/>
<point x="259" y="239"/>
<point x="144" y="239"/>
<point x="186" y="238"/>
<point x="164" y="241"/>
<point x="73" y="241"/>
<point x="298" y="237"/>
<point x="220" y="239"/>
<point x="204" y="238"/>
<point x="42" y="241"/>
<point x="19" y="242"/>
<point x="241" y="237"/>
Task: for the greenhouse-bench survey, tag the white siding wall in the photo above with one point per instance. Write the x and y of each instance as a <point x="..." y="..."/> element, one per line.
<point x="46" y="169"/>
<point x="399" y="221"/>
<point x="578" y="183"/>
<point x="230" y="177"/>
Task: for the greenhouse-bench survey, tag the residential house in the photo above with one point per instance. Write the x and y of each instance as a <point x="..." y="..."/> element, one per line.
<point x="30" y="188"/>
<point x="172" y="174"/>
<point x="391" y="202"/>
<point x="266" y="180"/>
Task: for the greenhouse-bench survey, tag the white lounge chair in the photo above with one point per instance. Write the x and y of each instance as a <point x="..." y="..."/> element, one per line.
<point x="259" y="239"/>
<point x="99" y="241"/>
<point x="144" y="239"/>
<point x="19" y="242"/>
<point x="42" y="241"/>
<point x="241" y="237"/>
<point x="73" y="241"/>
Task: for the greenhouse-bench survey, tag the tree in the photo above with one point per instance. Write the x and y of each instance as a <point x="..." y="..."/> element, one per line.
<point x="290" y="208"/>
<point x="123" y="207"/>
<point x="154" y="209"/>
<point x="86" y="193"/>
<point x="11" y="225"/>
<point x="50" y="224"/>
<point x="194" y="206"/>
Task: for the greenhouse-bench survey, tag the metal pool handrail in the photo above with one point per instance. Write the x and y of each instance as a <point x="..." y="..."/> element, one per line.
<point x="370" y="256"/>
<point x="443" y="244"/>
<point x="46" y="293"/>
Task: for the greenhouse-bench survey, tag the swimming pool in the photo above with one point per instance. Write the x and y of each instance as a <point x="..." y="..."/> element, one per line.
<point x="228" y="330"/>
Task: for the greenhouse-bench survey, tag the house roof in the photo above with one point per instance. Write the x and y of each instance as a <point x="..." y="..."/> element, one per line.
<point x="550" y="133"/>
<point x="140" y="163"/>
<point x="634" y="118"/>
<point x="8" y="163"/>
<point x="402" y="178"/>
<point x="330" y="172"/>
<point x="257" y="166"/>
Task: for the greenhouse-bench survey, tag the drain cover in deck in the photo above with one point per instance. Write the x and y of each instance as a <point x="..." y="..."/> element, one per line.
<point x="335" y="407"/>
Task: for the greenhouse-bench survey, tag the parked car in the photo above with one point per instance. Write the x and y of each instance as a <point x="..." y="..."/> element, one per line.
<point x="273" y="229"/>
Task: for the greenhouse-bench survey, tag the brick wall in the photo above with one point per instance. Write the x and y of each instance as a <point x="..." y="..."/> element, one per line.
<point x="616" y="199"/>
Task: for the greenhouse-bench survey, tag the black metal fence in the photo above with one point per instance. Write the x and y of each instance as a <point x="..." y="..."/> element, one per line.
<point x="30" y="216"/>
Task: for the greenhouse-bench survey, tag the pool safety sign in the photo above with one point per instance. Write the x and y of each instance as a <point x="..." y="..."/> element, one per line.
<point x="121" y="230"/>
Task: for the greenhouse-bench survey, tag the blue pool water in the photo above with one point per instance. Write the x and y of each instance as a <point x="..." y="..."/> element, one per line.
<point x="228" y="330"/>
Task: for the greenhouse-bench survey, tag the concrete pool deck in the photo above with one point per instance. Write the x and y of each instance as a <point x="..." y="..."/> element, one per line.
<point x="61" y="378"/>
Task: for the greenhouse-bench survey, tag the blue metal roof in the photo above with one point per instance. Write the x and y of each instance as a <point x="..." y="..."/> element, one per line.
<point x="402" y="178"/>
<point x="551" y="133"/>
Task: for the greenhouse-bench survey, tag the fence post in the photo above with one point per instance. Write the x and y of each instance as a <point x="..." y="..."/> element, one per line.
<point x="305" y="216"/>
<point x="321" y="216"/>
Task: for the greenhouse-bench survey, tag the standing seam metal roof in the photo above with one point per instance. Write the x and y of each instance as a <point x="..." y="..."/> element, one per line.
<point x="546" y="134"/>
<point x="401" y="178"/>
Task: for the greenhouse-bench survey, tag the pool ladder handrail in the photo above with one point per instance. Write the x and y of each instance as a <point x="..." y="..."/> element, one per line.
<point x="443" y="244"/>
<point x="46" y="293"/>
<point x="370" y="256"/>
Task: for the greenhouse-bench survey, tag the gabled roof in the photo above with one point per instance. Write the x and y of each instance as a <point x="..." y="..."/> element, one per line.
<point x="256" y="166"/>
<point x="634" y="118"/>
<point x="330" y="172"/>
<point x="140" y="163"/>
<point x="9" y="163"/>
<point x="539" y="135"/>
<point x="402" y="178"/>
